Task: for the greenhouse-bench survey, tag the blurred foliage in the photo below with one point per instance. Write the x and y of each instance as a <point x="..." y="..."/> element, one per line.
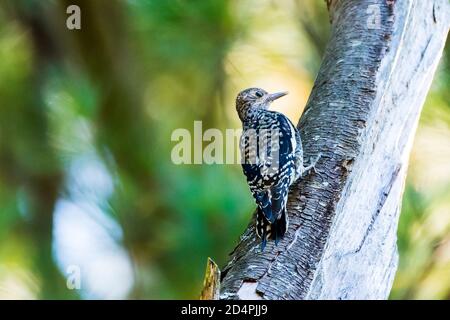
<point x="85" y="124"/>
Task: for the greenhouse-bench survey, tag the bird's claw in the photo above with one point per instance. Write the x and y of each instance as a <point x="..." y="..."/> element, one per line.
<point x="313" y="163"/>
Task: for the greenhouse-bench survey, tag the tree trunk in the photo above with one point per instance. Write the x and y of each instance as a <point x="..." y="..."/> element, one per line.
<point x="362" y="116"/>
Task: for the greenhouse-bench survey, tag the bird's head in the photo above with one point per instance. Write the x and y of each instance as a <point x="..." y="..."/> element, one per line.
<point x="250" y="100"/>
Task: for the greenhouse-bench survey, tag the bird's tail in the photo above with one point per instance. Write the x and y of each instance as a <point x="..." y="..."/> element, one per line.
<point x="273" y="231"/>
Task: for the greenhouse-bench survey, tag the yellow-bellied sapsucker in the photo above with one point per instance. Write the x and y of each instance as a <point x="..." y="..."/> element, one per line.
<point x="272" y="159"/>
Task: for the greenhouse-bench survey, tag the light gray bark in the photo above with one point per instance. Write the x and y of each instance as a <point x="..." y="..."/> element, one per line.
<point x="362" y="116"/>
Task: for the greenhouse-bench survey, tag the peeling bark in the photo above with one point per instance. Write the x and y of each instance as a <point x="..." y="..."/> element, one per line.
<point x="362" y="116"/>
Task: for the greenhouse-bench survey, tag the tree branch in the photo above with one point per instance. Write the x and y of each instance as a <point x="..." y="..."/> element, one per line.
<point x="362" y="115"/>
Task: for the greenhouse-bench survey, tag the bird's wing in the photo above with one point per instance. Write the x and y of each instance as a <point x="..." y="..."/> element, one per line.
<point x="270" y="176"/>
<point x="279" y="196"/>
<point x="267" y="149"/>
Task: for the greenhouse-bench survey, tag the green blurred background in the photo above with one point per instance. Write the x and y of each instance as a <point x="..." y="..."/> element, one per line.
<point x="86" y="117"/>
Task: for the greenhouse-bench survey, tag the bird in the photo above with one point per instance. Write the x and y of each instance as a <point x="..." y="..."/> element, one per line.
<point x="271" y="159"/>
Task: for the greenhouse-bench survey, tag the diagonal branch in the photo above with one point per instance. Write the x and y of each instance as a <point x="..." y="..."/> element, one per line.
<point x="362" y="115"/>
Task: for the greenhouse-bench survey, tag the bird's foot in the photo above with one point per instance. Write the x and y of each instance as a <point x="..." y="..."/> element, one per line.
<point x="312" y="165"/>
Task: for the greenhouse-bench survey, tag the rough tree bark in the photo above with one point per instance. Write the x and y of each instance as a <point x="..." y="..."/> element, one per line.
<point x="362" y="115"/>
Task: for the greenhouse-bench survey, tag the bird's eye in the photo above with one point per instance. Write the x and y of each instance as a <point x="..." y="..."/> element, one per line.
<point x="258" y="94"/>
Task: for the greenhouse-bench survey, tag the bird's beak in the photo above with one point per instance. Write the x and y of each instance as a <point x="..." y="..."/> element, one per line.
<point x="277" y="95"/>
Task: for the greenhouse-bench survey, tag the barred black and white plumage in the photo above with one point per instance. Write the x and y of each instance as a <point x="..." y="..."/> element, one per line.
<point x="272" y="159"/>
